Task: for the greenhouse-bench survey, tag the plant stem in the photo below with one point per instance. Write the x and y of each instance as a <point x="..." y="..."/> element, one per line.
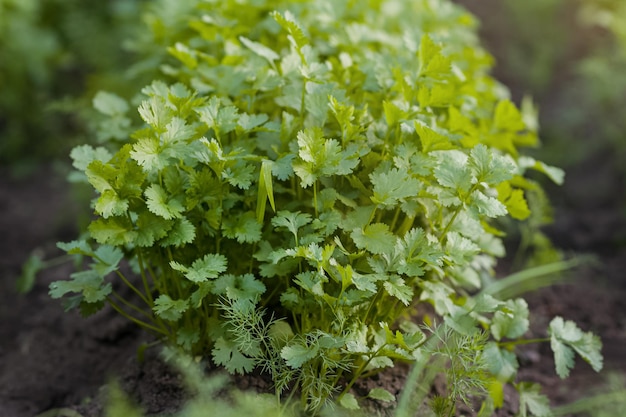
<point x="133" y="288"/>
<point x="141" y="323"/>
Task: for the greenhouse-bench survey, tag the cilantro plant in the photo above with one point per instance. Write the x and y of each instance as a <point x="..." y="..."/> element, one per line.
<point x="307" y="176"/>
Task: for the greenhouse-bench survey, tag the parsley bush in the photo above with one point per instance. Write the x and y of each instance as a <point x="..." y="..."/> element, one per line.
<point x="307" y="176"/>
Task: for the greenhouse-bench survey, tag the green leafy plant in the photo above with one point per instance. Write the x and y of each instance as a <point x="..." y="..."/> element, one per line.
<point x="385" y="151"/>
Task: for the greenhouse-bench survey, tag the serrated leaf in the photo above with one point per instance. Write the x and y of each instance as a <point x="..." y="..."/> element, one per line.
<point x="532" y="402"/>
<point x="431" y="140"/>
<point x="154" y="112"/>
<point x="297" y="353"/>
<point x="244" y="228"/>
<point x="225" y="353"/>
<point x="289" y="23"/>
<point x="490" y="167"/>
<point x="169" y="309"/>
<point x="76" y="247"/>
<point x="511" y="321"/>
<point x="159" y="203"/>
<point x="83" y="155"/>
<point x="239" y="287"/>
<point x="107" y="259"/>
<point x="514" y="201"/>
<point x="500" y="362"/>
<point x="481" y="204"/>
<point x="208" y="267"/>
<point x="114" y="231"/>
<point x="110" y="204"/>
<point x="396" y="287"/>
<point x="321" y="157"/>
<point x="508" y="117"/>
<point x="565" y="338"/>
<point x="181" y="233"/>
<point x="375" y="238"/>
<point x="392" y="186"/>
<point x="88" y="283"/>
<point x="292" y="221"/>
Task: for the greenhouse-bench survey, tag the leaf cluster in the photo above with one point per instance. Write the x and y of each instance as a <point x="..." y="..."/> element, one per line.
<point x="385" y="151"/>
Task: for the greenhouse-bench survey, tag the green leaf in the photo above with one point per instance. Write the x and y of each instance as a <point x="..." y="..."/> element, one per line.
<point x="566" y="338"/>
<point x="266" y="190"/>
<point x="88" y="283"/>
<point x="185" y="55"/>
<point x="431" y="140"/>
<point x="260" y="49"/>
<point x="376" y="238"/>
<point x="490" y="167"/>
<point x="348" y="401"/>
<point x="226" y="354"/>
<point x="30" y="269"/>
<point x="168" y="309"/>
<point x="154" y="112"/>
<point x="297" y="353"/>
<point x="507" y="117"/>
<point x="514" y="201"/>
<point x="393" y="186"/>
<point x="511" y="321"/>
<point x="110" y="204"/>
<point x="114" y="231"/>
<point x="321" y="157"/>
<point x="532" y="402"/>
<point x="396" y="287"/>
<point x="110" y="104"/>
<point x="500" y="362"/>
<point x="240" y="287"/>
<point x="181" y="233"/>
<point x="84" y="155"/>
<point x="208" y="267"/>
<point x="158" y="203"/>
<point x="432" y="62"/>
<point x="291" y="221"/>
<point x="107" y="259"/>
<point x="76" y="247"/>
<point x="244" y="228"/>
<point x="381" y="394"/>
<point x="289" y="23"/>
<point x="452" y="171"/>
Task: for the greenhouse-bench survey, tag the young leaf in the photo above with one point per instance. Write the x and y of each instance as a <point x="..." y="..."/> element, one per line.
<point x="297" y="353"/>
<point x="226" y="354"/>
<point x="376" y="238"/>
<point x="392" y="186"/>
<point x="349" y="402"/>
<point x="532" y="402"/>
<point x="158" y="203"/>
<point x="208" y="267"/>
<point x="511" y="321"/>
<point x="566" y="338"/>
<point x="88" y="283"/>
<point x="381" y="394"/>
<point x="168" y="309"/>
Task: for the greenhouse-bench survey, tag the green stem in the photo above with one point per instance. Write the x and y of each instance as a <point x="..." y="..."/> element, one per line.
<point x="144" y="279"/>
<point x="136" y="320"/>
<point x="131" y="305"/>
<point x="522" y="342"/>
<point x="133" y="288"/>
